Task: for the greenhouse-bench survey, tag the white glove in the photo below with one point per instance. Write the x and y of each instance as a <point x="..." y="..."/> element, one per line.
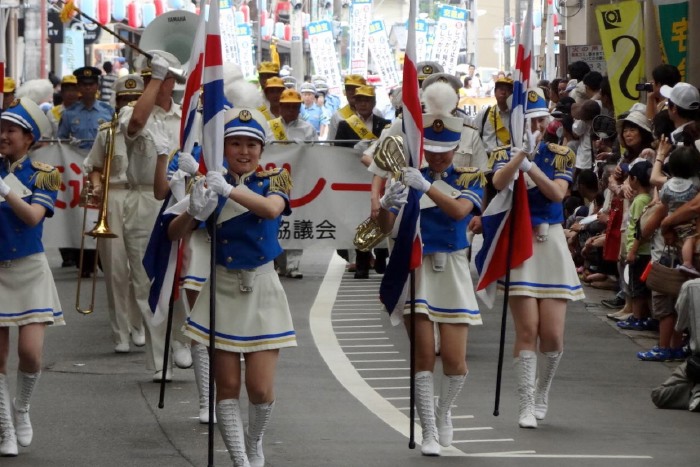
<point x="217" y="183"/>
<point x="73" y="141"/>
<point x="529" y="140"/>
<point x="414" y="179"/>
<point x="203" y="201"/>
<point x="526" y="163"/>
<point x="186" y="163"/>
<point x="4" y="188"/>
<point x="159" y="67"/>
<point x="395" y="196"/>
<point x="160" y="136"/>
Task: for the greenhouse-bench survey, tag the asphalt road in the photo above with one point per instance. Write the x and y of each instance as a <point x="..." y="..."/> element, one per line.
<point x="342" y="397"/>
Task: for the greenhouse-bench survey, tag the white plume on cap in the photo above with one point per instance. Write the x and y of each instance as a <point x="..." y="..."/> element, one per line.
<point x="440" y="99"/>
<point x="38" y="90"/>
<point x="237" y="90"/>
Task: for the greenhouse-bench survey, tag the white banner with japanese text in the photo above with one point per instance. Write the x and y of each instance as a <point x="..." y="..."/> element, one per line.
<point x="244" y="40"/>
<point x="329" y="199"/>
<point x="325" y="60"/>
<point x="382" y="58"/>
<point x="449" y="36"/>
<point x="229" y="43"/>
<point x="421" y="40"/>
<point x="360" y="17"/>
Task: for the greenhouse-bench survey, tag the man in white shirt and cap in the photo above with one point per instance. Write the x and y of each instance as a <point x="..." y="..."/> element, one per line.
<point x="683" y="106"/>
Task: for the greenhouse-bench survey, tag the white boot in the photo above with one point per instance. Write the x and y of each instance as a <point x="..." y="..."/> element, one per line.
<point x="526" y="369"/>
<point x="449" y="389"/>
<point x="544" y="382"/>
<point x="425" y="404"/>
<point x="8" y="439"/>
<point x="200" y="360"/>
<point x="25" y="388"/>
<point x="228" y="413"/>
<point x="258" y="419"/>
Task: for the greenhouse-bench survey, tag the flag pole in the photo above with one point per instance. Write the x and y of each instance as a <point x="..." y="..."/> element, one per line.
<point x="166" y="350"/>
<point x="211" y="224"/>
<point x="506" y="296"/>
<point x="412" y="388"/>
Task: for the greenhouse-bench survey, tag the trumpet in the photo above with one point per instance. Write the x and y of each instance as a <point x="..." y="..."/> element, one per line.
<point x="88" y="200"/>
<point x="390" y="157"/>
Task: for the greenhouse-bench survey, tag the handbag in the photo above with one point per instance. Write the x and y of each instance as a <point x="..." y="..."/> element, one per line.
<point x="613" y="235"/>
<point x="664" y="278"/>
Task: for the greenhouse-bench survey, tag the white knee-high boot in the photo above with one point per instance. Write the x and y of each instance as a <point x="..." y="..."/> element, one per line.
<point x="544" y="382"/>
<point x="8" y="439"/>
<point x="228" y="413"/>
<point x="200" y="361"/>
<point x="25" y="388"/>
<point x="425" y="404"/>
<point x="258" y="419"/>
<point x="449" y="390"/>
<point x="526" y="369"/>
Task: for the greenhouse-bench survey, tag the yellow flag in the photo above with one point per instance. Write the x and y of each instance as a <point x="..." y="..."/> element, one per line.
<point x="274" y="55"/>
<point x="68" y="11"/>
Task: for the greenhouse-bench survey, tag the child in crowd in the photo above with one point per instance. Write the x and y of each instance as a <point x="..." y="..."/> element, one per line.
<point x="683" y="186"/>
<point x="638" y="250"/>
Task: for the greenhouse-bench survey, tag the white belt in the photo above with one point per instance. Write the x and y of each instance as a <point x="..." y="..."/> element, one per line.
<point x="260" y="270"/>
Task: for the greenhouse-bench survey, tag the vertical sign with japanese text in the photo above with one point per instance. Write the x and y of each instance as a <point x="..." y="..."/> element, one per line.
<point x="421" y="39"/>
<point x="325" y="60"/>
<point x="229" y="44"/>
<point x="360" y="17"/>
<point x="672" y="24"/>
<point x="449" y="36"/>
<point x="383" y="59"/>
<point x="244" y="40"/>
<point x="73" y="52"/>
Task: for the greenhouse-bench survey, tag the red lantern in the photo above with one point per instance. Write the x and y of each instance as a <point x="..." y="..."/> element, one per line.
<point x="104" y="11"/>
<point x="263" y="17"/>
<point x="133" y="12"/>
<point x="555" y="20"/>
<point x="287" y="32"/>
<point x="159" y="7"/>
<point x="245" y="9"/>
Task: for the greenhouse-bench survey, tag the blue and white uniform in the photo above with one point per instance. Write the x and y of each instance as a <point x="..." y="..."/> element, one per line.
<point x="27" y="287"/>
<point x="444" y="289"/>
<point x="550" y="272"/>
<point x="83" y="122"/>
<point x="247" y="244"/>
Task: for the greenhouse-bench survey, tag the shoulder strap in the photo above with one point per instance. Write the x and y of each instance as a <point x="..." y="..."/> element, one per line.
<point x="483" y="122"/>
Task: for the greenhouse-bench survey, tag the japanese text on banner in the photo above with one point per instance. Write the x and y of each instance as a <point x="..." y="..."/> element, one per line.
<point x="323" y="54"/>
<point x="360" y="17"/>
<point x="449" y="36"/>
<point x="382" y="57"/>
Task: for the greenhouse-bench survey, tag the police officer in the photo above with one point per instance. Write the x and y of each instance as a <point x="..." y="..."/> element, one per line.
<point x="311" y="112"/>
<point x="124" y="316"/>
<point x="81" y="121"/>
<point x="28" y="192"/>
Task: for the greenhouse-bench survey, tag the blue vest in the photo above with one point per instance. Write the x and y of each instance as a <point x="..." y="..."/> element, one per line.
<point x="439" y="232"/>
<point x="248" y="241"/>
<point x="17" y="239"/>
<point x="82" y="123"/>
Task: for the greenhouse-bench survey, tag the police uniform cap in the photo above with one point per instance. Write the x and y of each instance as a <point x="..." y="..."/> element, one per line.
<point x="146" y="72"/>
<point x="26" y="113"/>
<point x="69" y="79"/>
<point x="441" y="133"/>
<point x="354" y="80"/>
<point x="9" y="85"/>
<point x="275" y="82"/>
<point x="290" y="82"/>
<point x="87" y="74"/>
<point x="307" y="87"/>
<point x="268" y="68"/>
<point x="428" y="68"/>
<point x="442" y="77"/>
<point x="245" y="121"/>
<point x="367" y="91"/>
<point x="129" y="85"/>
<point x="290" y="96"/>
<point x="535" y="104"/>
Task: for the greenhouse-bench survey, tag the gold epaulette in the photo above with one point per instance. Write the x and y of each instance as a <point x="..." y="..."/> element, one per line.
<point x="500" y="154"/>
<point x="564" y="157"/>
<point x="468" y="175"/>
<point x="46" y="177"/>
<point x="280" y="180"/>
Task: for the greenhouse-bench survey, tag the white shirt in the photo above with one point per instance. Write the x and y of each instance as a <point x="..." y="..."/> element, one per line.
<point x="299" y="130"/>
<point x="488" y="132"/>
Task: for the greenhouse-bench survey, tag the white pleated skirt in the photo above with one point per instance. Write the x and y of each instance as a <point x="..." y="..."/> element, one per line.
<point x="28" y="293"/>
<point x="549" y="273"/>
<point x="245" y="321"/>
<point x="446" y="296"/>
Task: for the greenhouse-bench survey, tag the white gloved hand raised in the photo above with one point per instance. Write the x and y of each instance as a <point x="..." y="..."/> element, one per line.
<point x="529" y="140"/>
<point x="203" y="201"/>
<point x="414" y="179"/>
<point x="217" y="183"/>
<point x="159" y="67"/>
<point x="395" y="196"/>
<point x="525" y="164"/>
<point x="187" y="163"/>
<point x="4" y="188"/>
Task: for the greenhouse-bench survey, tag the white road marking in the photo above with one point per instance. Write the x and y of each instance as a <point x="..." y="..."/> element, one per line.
<point x="499" y="440"/>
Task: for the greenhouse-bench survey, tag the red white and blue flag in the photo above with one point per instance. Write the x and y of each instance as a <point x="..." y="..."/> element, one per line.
<point x="499" y="218"/>
<point x="407" y="253"/>
<point x="163" y="257"/>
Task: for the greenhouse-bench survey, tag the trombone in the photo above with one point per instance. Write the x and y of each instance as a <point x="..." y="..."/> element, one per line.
<point x="101" y="229"/>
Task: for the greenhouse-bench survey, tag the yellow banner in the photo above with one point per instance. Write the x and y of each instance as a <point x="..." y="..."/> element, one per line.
<point x="622" y="34"/>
